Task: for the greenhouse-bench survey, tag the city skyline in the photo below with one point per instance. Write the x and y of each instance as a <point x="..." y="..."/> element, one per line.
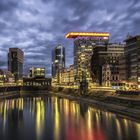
<point x="37" y="27"/>
<point x="69" y="69"/>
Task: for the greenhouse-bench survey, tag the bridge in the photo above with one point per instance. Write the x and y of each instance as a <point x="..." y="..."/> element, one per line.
<point x="40" y="82"/>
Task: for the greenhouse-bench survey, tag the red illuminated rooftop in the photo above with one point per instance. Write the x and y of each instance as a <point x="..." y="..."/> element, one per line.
<point x="86" y="34"/>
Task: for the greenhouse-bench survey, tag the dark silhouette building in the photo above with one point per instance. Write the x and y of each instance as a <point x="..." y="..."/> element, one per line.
<point x="97" y="61"/>
<point x="15" y="62"/>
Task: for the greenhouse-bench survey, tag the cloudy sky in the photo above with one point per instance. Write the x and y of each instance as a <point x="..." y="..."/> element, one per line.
<point x="37" y="26"/>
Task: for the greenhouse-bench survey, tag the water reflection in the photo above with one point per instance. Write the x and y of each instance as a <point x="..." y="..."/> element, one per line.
<point x="40" y="117"/>
<point x="61" y="119"/>
<point x="56" y="119"/>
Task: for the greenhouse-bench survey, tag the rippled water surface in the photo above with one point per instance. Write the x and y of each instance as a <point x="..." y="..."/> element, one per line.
<point x="53" y="118"/>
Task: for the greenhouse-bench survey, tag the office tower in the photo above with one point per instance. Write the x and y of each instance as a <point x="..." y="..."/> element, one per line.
<point x="15" y="62"/>
<point x="84" y="42"/>
<point x="58" y="61"/>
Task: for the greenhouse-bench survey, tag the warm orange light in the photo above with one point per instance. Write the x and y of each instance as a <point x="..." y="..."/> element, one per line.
<point x="87" y="34"/>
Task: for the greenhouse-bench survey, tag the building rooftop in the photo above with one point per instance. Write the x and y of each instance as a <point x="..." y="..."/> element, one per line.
<point x="86" y="34"/>
<point x="131" y="37"/>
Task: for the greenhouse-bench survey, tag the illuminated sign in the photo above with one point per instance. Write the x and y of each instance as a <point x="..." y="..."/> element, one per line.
<point x="87" y="34"/>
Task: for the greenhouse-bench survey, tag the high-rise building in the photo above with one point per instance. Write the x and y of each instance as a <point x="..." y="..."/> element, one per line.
<point x="84" y="42"/>
<point x="15" y="62"/>
<point x="58" y="61"/>
<point x="132" y="57"/>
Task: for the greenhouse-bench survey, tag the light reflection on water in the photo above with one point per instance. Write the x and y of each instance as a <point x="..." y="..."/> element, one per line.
<point x="52" y="118"/>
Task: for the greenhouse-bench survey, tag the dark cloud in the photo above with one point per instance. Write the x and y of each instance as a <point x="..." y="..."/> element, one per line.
<point x="38" y="26"/>
<point x="7" y="5"/>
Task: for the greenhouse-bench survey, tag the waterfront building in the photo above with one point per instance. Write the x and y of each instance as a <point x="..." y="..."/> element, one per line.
<point x="84" y="42"/>
<point x="15" y="62"/>
<point x="62" y="76"/>
<point x="36" y="72"/>
<point x="122" y="69"/>
<point x="97" y="61"/>
<point x="9" y="77"/>
<point x="114" y="53"/>
<point x="37" y="77"/>
<point x="106" y="75"/>
<point x="132" y="57"/>
<point x="71" y="75"/>
<point x="58" y="61"/>
<point x="67" y="76"/>
<point x="105" y="64"/>
<point x="6" y="78"/>
<point x="1" y="77"/>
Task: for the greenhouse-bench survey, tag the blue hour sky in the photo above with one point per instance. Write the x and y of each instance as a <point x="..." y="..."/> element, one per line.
<point x="37" y="26"/>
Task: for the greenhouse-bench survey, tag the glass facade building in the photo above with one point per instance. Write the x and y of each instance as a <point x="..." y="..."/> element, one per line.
<point x="84" y="43"/>
<point x="83" y="51"/>
<point x="58" y="61"/>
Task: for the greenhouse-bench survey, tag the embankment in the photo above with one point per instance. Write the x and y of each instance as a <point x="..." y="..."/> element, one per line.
<point x="122" y="105"/>
<point x="126" y="105"/>
<point x="9" y="92"/>
<point x="21" y="91"/>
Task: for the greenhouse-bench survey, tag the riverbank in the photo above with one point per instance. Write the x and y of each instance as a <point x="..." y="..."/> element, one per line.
<point x="9" y="95"/>
<point x="108" y="96"/>
<point x="18" y="91"/>
<point x="132" y="113"/>
<point x="9" y="92"/>
<point x="126" y="105"/>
